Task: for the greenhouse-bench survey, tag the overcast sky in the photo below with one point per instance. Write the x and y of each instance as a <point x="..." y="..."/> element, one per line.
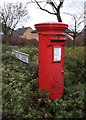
<point x="38" y="16"/>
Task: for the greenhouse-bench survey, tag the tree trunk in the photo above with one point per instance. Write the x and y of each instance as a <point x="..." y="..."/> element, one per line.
<point x="5" y="39"/>
<point x="59" y="17"/>
<point x="74" y="38"/>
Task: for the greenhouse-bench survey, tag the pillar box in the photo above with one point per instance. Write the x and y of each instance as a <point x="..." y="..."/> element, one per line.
<point x="51" y="58"/>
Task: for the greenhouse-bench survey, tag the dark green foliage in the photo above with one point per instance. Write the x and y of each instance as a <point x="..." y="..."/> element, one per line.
<point x="75" y="65"/>
<point x="20" y="87"/>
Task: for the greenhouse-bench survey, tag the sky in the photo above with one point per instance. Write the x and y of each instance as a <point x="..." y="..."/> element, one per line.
<point x="39" y="16"/>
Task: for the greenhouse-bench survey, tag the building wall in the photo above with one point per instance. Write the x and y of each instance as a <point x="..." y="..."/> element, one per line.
<point x="35" y="36"/>
<point x="27" y="34"/>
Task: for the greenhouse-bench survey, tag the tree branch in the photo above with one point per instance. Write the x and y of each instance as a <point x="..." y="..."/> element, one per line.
<point x="70" y="34"/>
<point x="59" y="6"/>
<point x="44" y="9"/>
<point x="78" y="25"/>
<point x="53" y="5"/>
<point x="11" y="15"/>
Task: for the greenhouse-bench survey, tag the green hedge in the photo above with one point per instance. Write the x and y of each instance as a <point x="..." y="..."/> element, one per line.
<point x="20" y="87"/>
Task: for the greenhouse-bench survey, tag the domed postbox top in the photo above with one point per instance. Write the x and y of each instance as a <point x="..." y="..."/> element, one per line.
<point x="51" y="26"/>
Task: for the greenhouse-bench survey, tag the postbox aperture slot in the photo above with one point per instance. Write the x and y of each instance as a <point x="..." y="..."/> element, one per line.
<point x="57" y="40"/>
<point x="57" y="54"/>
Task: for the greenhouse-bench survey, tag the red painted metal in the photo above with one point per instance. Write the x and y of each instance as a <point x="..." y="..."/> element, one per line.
<point x="51" y="67"/>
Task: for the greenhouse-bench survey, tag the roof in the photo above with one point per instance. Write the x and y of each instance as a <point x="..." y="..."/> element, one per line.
<point x="35" y="31"/>
<point x="21" y="31"/>
<point x="66" y="31"/>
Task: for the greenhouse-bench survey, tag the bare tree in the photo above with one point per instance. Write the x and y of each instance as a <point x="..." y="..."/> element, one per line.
<point x="11" y="15"/>
<point x="55" y="7"/>
<point x="75" y="25"/>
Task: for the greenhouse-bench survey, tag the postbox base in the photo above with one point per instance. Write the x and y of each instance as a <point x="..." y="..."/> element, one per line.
<point x="52" y="97"/>
<point x="55" y="98"/>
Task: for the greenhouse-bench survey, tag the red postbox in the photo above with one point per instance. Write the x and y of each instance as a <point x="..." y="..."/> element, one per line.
<point x="51" y="58"/>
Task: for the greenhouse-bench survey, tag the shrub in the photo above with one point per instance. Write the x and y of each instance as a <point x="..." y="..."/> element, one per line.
<point x="74" y="65"/>
<point x="21" y="94"/>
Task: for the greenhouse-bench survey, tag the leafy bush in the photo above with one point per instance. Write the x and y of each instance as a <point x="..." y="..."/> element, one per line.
<point x="74" y="65"/>
<point x="20" y="87"/>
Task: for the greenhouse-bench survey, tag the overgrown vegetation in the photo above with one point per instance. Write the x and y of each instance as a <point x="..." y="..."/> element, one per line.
<point x="20" y="87"/>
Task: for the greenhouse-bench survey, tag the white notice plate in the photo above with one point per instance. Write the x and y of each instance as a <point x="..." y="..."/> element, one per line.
<point x="21" y="56"/>
<point x="57" y="53"/>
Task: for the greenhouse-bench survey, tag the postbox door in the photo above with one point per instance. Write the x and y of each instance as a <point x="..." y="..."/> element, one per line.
<point x="57" y="85"/>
